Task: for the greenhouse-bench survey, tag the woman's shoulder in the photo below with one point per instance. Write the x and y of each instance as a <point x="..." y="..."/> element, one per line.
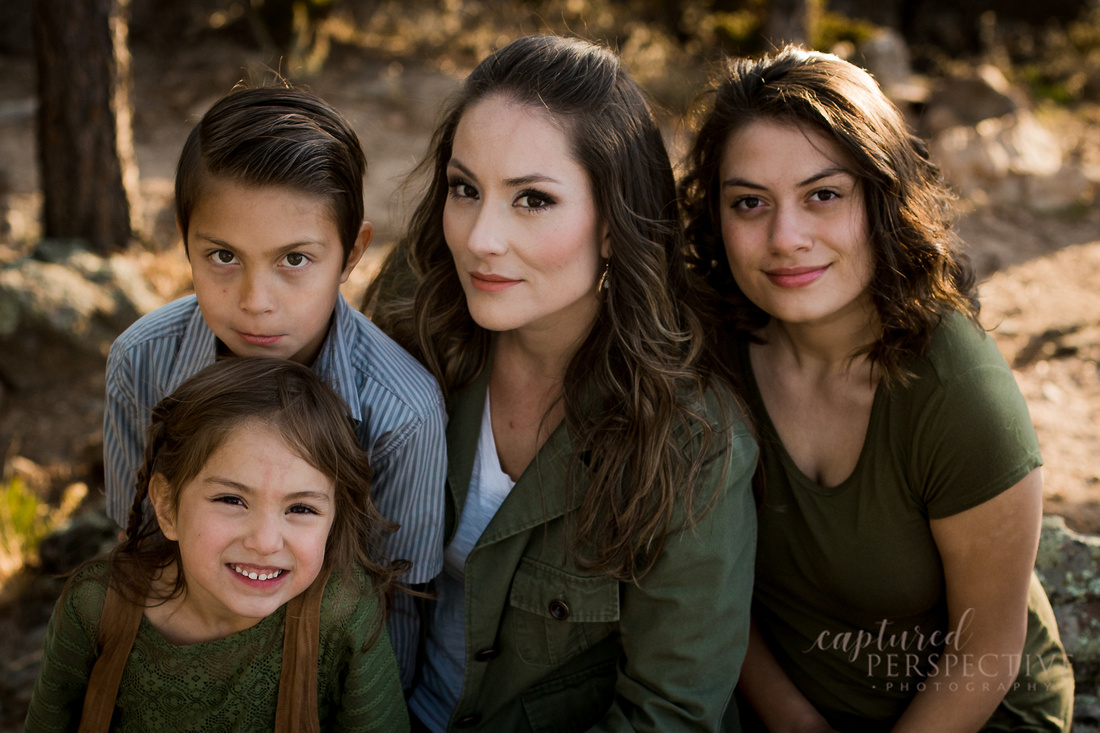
<point x="959" y="346"/>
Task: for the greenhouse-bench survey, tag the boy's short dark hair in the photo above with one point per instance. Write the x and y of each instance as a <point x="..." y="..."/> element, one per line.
<point x="276" y="136"/>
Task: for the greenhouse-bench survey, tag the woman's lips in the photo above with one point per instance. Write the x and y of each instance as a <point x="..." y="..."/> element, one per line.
<point x="487" y="283"/>
<point x="795" y="277"/>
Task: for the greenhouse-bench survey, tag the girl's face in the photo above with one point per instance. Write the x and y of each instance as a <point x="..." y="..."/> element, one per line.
<point x="251" y="528"/>
<point x="794" y="224"/>
<point x="521" y="221"/>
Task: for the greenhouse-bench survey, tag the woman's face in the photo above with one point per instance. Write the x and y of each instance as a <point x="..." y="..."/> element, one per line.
<point x="794" y="224"/>
<point x="521" y="222"/>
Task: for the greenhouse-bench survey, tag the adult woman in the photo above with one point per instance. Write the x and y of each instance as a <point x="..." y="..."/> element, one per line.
<point x="605" y="528"/>
<point x="902" y="489"/>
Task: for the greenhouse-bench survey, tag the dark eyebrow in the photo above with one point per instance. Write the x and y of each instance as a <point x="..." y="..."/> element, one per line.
<point x="319" y="496"/>
<point x="284" y="249"/>
<point x="508" y="182"/>
<point x="828" y="172"/>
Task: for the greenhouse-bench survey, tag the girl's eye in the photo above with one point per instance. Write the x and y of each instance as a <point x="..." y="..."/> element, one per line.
<point x="459" y="189"/>
<point x="534" y="200"/>
<point x="301" y="509"/>
<point x="223" y="257"/>
<point x="296" y="260"/>
<point x="231" y="500"/>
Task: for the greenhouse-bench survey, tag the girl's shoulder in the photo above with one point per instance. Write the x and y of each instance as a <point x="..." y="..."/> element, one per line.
<point x="349" y="596"/>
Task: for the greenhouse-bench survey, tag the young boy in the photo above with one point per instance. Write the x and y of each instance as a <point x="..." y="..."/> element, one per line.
<point x="269" y="201"/>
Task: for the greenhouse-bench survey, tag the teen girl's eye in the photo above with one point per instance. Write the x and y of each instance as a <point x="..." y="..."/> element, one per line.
<point x="746" y="203"/>
<point x="534" y="200"/>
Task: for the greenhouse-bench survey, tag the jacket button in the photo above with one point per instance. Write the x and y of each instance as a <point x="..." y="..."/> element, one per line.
<point x="486" y="655"/>
<point x="559" y="610"/>
<point x="468" y="721"/>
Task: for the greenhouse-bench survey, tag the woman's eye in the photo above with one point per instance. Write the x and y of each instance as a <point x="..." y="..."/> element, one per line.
<point x="747" y="202"/>
<point x="825" y="195"/>
<point x="296" y="259"/>
<point x="534" y="200"/>
<point x="461" y="190"/>
<point x="223" y="257"/>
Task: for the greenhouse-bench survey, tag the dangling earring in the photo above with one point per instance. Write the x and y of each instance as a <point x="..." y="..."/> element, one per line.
<point x="603" y="285"/>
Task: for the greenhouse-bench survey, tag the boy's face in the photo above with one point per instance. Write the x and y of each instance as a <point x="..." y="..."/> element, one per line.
<point x="267" y="266"/>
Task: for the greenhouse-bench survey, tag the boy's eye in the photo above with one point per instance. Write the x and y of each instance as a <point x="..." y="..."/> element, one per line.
<point x="223" y="257"/>
<point x="296" y="259"/>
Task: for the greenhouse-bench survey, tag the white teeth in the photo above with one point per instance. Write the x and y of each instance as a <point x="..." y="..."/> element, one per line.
<point x="258" y="576"/>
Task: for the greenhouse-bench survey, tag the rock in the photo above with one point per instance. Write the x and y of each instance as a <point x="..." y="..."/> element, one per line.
<point x="886" y="56"/>
<point x="88" y="534"/>
<point x="968" y="99"/>
<point x="61" y="309"/>
<point x="1067" y="566"/>
<point x="1011" y="161"/>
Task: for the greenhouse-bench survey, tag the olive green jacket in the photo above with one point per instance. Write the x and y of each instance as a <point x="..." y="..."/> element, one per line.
<point x="552" y="647"/>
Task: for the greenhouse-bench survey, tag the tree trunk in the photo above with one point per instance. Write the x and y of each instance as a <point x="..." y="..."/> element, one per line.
<point x="788" y="21"/>
<point x="85" y="141"/>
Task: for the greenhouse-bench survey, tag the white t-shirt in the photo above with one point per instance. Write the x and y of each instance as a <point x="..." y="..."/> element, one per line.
<point x="440" y="685"/>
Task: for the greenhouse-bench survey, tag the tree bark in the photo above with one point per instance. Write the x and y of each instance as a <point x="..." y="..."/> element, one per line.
<point x="85" y="139"/>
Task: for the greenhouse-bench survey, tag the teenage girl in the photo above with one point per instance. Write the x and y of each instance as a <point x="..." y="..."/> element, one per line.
<point x="214" y="612"/>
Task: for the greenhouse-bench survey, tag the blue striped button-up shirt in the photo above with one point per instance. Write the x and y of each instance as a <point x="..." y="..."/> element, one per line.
<point x="396" y="403"/>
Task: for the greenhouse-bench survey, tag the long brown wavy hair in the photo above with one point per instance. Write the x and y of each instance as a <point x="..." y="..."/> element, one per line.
<point x="920" y="272"/>
<point x="189" y="425"/>
<point x="641" y="360"/>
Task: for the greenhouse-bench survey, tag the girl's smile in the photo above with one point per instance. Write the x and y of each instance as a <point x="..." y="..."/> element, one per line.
<point x="252" y="528"/>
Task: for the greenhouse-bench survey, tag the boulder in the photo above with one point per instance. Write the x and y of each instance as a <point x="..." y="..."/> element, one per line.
<point x="1067" y="565"/>
<point x="60" y="310"/>
<point x="1012" y="161"/>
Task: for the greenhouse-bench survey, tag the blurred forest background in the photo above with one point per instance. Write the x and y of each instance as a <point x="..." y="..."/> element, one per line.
<point x="97" y="96"/>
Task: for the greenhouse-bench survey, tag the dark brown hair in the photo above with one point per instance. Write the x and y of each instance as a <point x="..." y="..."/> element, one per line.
<point x="191" y="424"/>
<point x="920" y="273"/>
<point x="640" y="361"/>
<point x="276" y="136"/>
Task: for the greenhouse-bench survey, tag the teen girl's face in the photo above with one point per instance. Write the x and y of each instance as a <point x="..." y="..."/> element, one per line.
<point x="267" y="264"/>
<point x="794" y="224"/>
<point x="251" y="528"/>
<point x="521" y="222"/>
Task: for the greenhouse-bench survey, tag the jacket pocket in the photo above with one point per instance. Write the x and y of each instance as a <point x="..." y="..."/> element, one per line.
<point x="554" y="615"/>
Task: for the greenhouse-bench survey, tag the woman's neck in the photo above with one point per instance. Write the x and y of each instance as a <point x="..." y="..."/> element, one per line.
<point x="824" y="347"/>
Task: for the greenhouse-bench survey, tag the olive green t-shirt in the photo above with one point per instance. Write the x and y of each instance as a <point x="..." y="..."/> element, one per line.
<point x="229" y="684"/>
<point x="849" y="589"/>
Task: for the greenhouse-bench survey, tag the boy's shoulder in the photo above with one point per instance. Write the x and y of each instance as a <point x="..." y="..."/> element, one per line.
<point x="170" y="321"/>
<point x="378" y="359"/>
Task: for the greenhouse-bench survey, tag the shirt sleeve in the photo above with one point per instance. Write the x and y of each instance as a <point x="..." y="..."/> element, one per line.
<point x="123" y="440"/>
<point x="973" y="441"/>
<point x="685" y="625"/>
<point x="67" y="660"/>
<point x="365" y="682"/>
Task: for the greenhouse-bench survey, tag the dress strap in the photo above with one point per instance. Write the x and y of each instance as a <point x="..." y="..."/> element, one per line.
<point x="297" y="707"/>
<point x="118" y="626"/>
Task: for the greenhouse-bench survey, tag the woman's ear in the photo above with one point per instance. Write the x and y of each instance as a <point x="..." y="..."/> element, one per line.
<point x="605" y="243"/>
<point x="159" y="497"/>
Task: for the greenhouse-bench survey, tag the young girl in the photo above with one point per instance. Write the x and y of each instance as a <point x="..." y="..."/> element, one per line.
<point x="902" y="493"/>
<point x="214" y="613"/>
<point x="600" y="563"/>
